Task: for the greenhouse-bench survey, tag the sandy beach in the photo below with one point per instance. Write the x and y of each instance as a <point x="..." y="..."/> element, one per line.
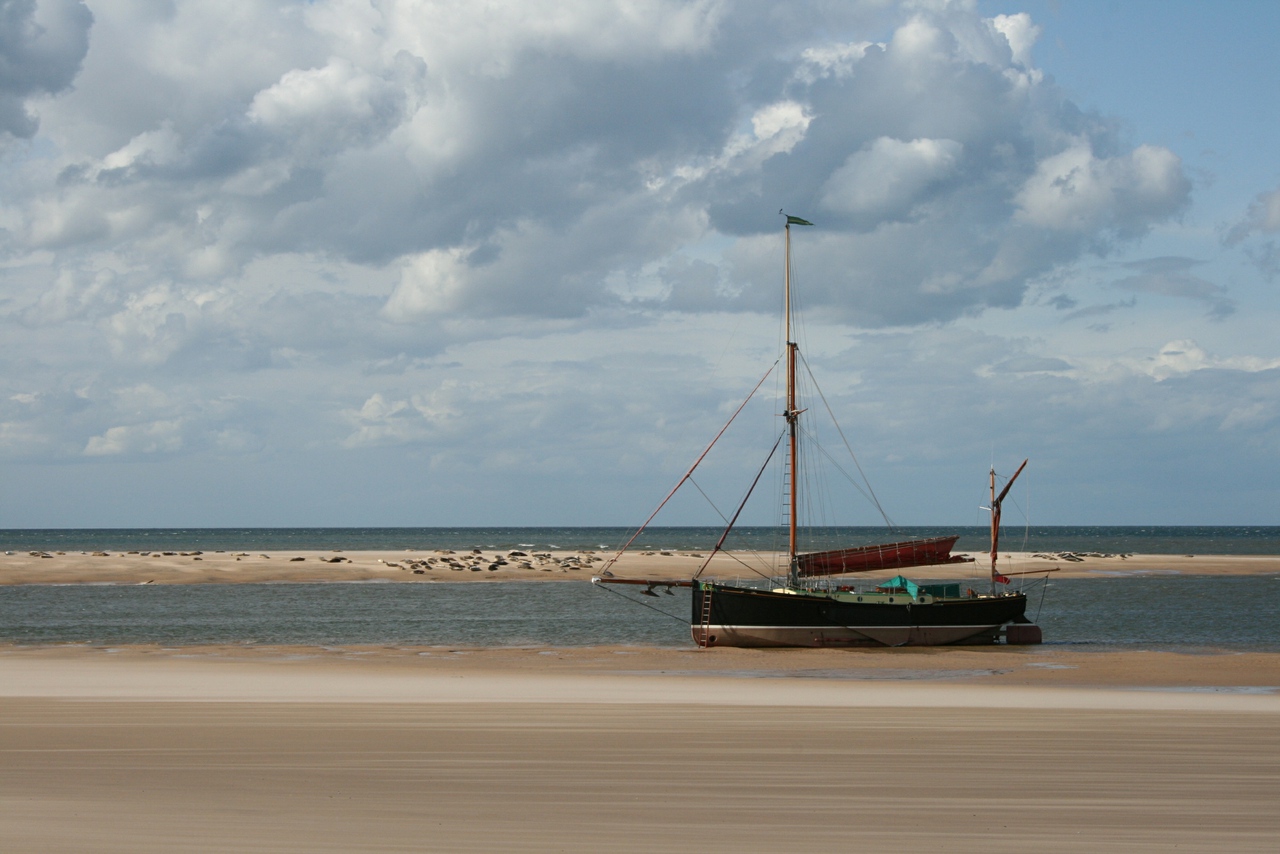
<point x="144" y="749"/>
<point x="631" y="749"/>
<point x="424" y="566"/>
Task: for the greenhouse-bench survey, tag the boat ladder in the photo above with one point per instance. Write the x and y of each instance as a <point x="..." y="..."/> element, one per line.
<point x="704" y="639"/>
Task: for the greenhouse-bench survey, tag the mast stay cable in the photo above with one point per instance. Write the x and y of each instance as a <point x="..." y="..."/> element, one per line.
<point x="696" y="463"/>
<point x="745" y="498"/>
<point x="848" y="447"/>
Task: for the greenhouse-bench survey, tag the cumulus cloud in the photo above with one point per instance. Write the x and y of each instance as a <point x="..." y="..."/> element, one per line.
<point x="430" y="283"/>
<point x="885" y="180"/>
<point x="151" y="438"/>
<point x="525" y="159"/>
<point x="1183" y="357"/>
<point x="1021" y="34"/>
<point x="324" y="196"/>
<point x="396" y="422"/>
<point x="1075" y="191"/>
<point x="337" y="107"/>
<point x="41" y="48"/>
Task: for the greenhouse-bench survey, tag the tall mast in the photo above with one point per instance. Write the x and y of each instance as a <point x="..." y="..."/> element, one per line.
<point x="792" y="414"/>
<point x="792" y="417"/>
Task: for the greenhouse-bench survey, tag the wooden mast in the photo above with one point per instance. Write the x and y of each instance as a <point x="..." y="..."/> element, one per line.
<point x="792" y="414"/>
<point x="995" y="529"/>
<point x="793" y="572"/>
<point x="996" y="501"/>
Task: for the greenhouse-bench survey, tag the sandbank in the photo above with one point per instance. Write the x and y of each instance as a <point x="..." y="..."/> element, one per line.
<point x="426" y="566"/>
<point x="144" y="749"/>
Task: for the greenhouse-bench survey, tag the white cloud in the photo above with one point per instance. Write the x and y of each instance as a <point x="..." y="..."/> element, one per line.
<point x="525" y="160"/>
<point x="490" y="39"/>
<point x="419" y="418"/>
<point x="430" y="283"/>
<point x="886" y="179"/>
<point x="1263" y="217"/>
<point x="151" y="438"/>
<point x="73" y="295"/>
<point x="329" y="109"/>
<point x="472" y="232"/>
<point x="1021" y="34"/>
<point x="153" y="325"/>
<point x="836" y="60"/>
<point x="155" y="148"/>
<point x="1076" y="191"/>
<point x="782" y="124"/>
<point x="1178" y="358"/>
<point x="380" y="421"/>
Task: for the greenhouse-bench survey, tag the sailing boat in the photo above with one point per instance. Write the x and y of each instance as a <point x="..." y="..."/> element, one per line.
<point x="804" y="608"/>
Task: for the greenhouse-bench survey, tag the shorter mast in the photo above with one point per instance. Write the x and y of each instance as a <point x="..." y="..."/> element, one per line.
<point x="996" y="501"/>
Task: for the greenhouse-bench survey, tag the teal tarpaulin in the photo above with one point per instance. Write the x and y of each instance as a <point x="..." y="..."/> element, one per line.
<point x="905" y="583"/>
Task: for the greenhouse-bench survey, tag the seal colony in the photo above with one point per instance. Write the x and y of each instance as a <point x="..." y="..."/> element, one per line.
<point x="490" y="565"/>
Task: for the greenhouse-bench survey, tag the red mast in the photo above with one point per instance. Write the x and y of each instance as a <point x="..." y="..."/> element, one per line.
<point x="995" y="519"/>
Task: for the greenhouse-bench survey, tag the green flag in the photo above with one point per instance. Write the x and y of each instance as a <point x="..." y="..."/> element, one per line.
<point x="795" y="220"/>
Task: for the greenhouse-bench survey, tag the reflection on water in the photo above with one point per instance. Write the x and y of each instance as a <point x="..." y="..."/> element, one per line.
<point x="1155" y="611"/>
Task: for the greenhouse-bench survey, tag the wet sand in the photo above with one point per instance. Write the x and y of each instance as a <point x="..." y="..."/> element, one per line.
<point x="424" y="566"/>
<point x="143" y="749"/>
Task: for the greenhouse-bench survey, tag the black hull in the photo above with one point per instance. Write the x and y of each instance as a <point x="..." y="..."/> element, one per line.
<point x="745" y="617"/>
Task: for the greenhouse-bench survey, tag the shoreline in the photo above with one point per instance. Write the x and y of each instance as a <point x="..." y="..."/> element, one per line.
<point x="425" y="566"/>
<point x="60" y="669"/>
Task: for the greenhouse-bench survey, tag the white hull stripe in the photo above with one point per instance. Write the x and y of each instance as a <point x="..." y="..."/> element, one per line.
<point x="722" y="627"/>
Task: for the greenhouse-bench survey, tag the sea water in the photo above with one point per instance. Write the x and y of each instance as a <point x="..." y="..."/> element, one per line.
<point x="1147" y="539"/>
<point x="1173" y="612"/>
<point x="1157" y="610"/>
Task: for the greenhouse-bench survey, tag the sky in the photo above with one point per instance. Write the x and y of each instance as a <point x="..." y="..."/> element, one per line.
<point x="405" y="263"/>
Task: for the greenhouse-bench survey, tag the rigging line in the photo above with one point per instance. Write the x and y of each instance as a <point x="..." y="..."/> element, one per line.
<point x="847" y="446"/>
<point x="748" y="567"/>
<point x="826" y="493"/>
<point x="838" y="467"/>
<point x="729" y="527"/>
<point x="696" y="463"/>
<point x="755" y="554"/>
<point x="723" y="518"/>
<point x="809" y="480"/>
<point x="1043" y="591"/>
<point x="608" y="589"/>
<point x="1026" y="517"/>
<point x="715" y="369"/>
